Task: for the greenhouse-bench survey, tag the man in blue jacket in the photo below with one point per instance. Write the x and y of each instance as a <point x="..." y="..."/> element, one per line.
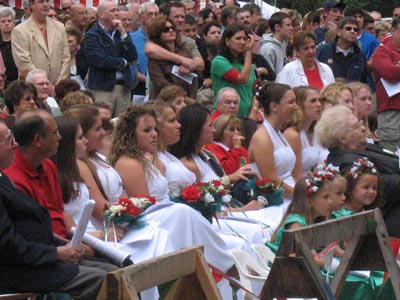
<point x="110" y="53"/>
<point x="343" y="55"/>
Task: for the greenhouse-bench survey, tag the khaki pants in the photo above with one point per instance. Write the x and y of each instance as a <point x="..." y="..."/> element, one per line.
<point x="119" y="98"/>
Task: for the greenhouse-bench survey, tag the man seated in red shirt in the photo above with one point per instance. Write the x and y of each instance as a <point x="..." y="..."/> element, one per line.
<point x="33" y="172"/>
<point x="228" y="101"/>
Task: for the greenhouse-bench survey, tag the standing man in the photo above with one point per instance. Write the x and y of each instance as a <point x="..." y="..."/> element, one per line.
<point x="41" y="43"/>
<point x="343" y="55"/>
<point x="110" y="52"/>
<point x="79" y="17"/>
<point x="148" y="11"/>
<point x="385" y="63"/>
<point x="125" y="15"/>
<point x="333" y="12"/>
<point x="7" y="24"/>
<point x="273" y="47"/>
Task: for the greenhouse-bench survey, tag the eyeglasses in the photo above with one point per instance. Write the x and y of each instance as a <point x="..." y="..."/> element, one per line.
<point x="349" y="28"/>
<point x="10" y="141"/>
<point x="168" y="28"/>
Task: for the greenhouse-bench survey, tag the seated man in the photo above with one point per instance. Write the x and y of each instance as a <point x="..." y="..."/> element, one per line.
<point x="227" y="101"/>
<point x="33" y="172"/>
<point x="31" y="258"/>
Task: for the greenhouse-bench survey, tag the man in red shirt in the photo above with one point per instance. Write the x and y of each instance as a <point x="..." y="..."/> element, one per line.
<point x="386" y="65"/>
<point x="33" y="172"/>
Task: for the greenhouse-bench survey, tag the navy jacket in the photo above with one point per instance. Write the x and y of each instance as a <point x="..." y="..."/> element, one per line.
<point x="351" y="67"/>
<point x="28" y="254"/>
<point x="106" y="56"/>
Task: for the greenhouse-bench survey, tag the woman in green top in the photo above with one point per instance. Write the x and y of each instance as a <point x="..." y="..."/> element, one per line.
<point x="232" y="67"/>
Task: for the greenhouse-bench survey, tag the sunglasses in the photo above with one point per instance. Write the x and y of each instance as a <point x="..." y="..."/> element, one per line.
<point x="349" y="28"/>
<point x="168" y="28"/>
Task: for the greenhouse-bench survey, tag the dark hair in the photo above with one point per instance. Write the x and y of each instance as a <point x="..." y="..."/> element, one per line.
<point x="302" y="37"/>
<point x="249" y="127"/>
<point x="228" y="12"/>
<point x="352" y="182"/>
<point x="252" y="8"/>
<point x="270" y="92"/>
<point x="15" y="91"/>
<point x="351" y="10"/>
<point x="262" y="27"/>
<point x="86" y="115"/>
<point x="206" y="12"/>
<point x="192" y="119"/>
<point x="64" y="87"/>
<point x="190" y="20"/>
<point x="347" y="20"/>
<point x="208" y="25"/>
<point x="395" y="23"/>
<point x="65" y="159"/>
<point x="277" y="19"/>
<point x="155" y="30"/>
<point x="229" y="32"/>
<point x="26" y="128"/>
<point x="75" y="33"/>
<point x="166" y="10"/>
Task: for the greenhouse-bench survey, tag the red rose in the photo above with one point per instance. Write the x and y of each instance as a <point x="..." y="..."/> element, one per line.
<point x="134" y="211"/>
<point x="216" y="182"/>
<point x="191" y="193"/>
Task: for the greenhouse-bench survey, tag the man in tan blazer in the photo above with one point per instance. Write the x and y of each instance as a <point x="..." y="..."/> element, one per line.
<point x="41" y="43"/>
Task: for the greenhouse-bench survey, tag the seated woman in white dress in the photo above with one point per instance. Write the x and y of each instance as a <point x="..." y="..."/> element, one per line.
<point x="178" y="176"/>
<point x="300" y="134"/>
<point x="104" y="183"/>
<point x="72" y="149"/>
<point x="269" y="151"/>
<point x="134" y="155"/>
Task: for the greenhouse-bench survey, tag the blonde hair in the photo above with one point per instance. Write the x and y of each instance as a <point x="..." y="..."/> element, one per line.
<point x="222" y="122"/>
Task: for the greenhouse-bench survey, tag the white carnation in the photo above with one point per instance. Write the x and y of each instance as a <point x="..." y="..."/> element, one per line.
<point x="208" y="198"/>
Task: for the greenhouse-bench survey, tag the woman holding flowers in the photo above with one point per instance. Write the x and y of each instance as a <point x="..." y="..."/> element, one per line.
<point x="134" y="155"/>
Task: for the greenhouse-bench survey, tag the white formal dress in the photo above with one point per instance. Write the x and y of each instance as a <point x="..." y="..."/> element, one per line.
<point x="309" y="153"/>
<point x="284" y="159"/>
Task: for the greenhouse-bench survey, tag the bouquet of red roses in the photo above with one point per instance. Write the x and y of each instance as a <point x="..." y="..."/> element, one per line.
<point x="266" y="191"/>
<point x="126" y="212"/>
<point x="207" y="197"/>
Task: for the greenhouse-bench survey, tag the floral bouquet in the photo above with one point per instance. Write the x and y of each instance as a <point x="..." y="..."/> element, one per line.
<point x="126" y="212"/>
<point x="266" y="191"/>
<point x="207" y="197"/>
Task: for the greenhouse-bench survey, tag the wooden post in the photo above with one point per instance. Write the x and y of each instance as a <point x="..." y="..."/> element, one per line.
<point x="187" y="266"/>
<point x="368" y="248"/>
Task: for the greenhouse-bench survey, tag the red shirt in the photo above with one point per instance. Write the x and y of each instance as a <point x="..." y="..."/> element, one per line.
<point x="229" y="160"/>
<point x="215" y="115"/>
<point x="41" y="185"/>
<point x="314" y="79"/>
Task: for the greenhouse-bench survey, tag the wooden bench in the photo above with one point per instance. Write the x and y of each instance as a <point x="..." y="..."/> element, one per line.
<point x="368" y="248"/>
<point x="187" y="267"/>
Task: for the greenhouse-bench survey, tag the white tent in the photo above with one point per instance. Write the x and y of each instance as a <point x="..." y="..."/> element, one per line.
<point x="266" y="9"/>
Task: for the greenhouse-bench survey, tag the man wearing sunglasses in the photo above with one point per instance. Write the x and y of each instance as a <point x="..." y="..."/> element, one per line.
<point x="343" y="55"/>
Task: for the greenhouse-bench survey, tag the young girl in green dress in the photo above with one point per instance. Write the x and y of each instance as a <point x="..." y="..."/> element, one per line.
<point x="311" y="201"/>
<point x="363" y="189"/>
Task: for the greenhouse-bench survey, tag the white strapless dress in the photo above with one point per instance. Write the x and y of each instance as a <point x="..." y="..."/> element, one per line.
<point x="310" y="154"/>
<point x="284" y="159"/>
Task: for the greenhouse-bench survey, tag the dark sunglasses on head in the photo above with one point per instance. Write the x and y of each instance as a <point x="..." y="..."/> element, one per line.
<point x="168" y="28"/>
<point x="349" y="28"/>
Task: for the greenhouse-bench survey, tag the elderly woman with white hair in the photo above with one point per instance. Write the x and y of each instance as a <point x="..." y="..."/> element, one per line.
<point x="341" y="132"/>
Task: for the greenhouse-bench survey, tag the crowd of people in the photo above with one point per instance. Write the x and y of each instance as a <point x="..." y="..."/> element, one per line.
<point x="144" y="99"/>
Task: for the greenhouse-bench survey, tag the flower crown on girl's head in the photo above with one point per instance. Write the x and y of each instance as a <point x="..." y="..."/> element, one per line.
<point x="315" y="180"/>
<point x="360" y="167"/>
